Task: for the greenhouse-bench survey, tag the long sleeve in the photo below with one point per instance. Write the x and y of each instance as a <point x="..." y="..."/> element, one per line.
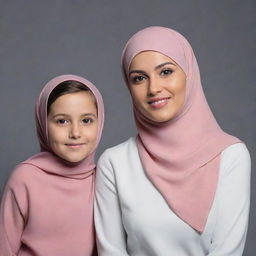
<point x="233" y="203"/>
<point x="111" y="236"/>
<point x="11" y="224"/>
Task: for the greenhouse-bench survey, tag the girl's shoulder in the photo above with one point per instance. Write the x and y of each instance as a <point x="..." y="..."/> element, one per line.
<point x="22" y="175"/>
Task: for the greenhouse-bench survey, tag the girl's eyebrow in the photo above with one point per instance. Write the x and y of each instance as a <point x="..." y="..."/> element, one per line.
<point x="59" y="114"/>
<point x="157" y="67"/>
<point x="89" y="114"/>
<point x="66" y="115"/>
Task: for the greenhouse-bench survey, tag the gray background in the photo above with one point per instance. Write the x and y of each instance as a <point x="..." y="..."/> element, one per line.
<point x="42" y="39"/>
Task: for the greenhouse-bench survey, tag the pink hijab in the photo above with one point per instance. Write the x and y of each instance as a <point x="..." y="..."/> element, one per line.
<point x="181" y="157"/>
<point x="47" y="160"/>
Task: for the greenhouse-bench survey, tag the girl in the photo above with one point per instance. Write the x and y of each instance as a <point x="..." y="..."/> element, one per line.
<point x="47" y="204"/>
<point x="182" y="186"/>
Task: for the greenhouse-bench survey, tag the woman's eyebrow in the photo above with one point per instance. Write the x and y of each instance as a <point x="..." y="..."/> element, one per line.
<point x="163" y="64"/>
<point x="137" y="71"/>
<point x="157" y="67"/>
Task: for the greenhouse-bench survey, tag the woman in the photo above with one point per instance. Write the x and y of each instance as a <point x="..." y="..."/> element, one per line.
<point x="47" y="205"/>
<point x="182" y="186"/>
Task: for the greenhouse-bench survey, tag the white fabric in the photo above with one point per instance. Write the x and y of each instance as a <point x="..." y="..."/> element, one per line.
<point x="132" y="218"/>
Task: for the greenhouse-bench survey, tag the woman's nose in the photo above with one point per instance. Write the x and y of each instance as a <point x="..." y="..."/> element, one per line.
<point x="154" y="86"/>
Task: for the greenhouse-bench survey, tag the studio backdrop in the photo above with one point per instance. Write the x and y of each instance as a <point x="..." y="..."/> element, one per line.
<point x="43" y="39"/>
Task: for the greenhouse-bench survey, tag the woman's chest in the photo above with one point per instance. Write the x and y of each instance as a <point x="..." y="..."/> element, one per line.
<point x="146" y="215"/>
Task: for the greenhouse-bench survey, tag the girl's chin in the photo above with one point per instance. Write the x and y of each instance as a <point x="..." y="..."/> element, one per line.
<point x="72" y="160"/>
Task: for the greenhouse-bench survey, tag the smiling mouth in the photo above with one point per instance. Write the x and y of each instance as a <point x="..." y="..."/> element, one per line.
<point x="75" y="145"/>
<point x="159" y="102"/>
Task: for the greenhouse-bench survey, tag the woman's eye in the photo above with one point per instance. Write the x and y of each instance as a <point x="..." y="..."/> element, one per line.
<point x="166" y="72"/>
<point x="137" y="79"/>
<point x="87" y="120"/>
<point x="62" y="121"/>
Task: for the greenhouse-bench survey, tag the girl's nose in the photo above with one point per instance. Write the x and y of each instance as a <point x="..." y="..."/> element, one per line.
<point x="75" y="132"/>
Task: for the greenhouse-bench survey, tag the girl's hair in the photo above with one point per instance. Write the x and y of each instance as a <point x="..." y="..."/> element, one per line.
<point x="66" y="87"/>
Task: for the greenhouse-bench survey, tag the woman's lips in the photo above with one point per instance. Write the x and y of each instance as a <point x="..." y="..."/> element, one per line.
<point x="158" y="102"/>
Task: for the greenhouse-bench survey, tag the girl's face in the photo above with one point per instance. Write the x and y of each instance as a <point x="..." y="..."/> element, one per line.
<point x="157" y="85"/>
<point x="73" y="125"/>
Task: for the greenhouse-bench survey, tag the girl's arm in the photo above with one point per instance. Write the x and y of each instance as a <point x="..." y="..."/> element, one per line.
<point x="11" y="224"/>
<point x="13" y="212"/>
<point x="233" y="203"/>
<point x="111" y="236"/>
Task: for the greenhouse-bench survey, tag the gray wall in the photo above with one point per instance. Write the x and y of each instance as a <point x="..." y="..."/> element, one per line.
<point x="42" y="39"/>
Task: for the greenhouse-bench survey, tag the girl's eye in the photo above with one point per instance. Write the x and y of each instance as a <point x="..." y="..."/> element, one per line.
<point x="62" y="121"/>
<point x="166" y="72"/>
<point x="87" y="120"/>
<point x="137" y="79"/>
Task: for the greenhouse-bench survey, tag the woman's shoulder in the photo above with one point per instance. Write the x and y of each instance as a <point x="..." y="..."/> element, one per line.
<point x="120" y="148"/>
<point x="237" y="150"/>
<point x="119" y="151"/>
<point x="236" y="156"/>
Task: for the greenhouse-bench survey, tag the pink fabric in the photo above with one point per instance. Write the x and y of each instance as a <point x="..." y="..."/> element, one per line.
<point x="47" y="205"/>
<point x="181" y="157"/>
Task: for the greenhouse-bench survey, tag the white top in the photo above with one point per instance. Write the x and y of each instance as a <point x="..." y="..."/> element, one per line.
<point x="132" y="218"/>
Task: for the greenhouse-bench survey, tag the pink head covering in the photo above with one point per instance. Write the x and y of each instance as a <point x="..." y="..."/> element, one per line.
<point x="181" y="157"/>
<point x="47" y="160"/>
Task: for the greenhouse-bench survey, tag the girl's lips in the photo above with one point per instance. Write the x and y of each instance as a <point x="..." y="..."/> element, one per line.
<point x="158" y="102"/>
<point x="75" y="145"/>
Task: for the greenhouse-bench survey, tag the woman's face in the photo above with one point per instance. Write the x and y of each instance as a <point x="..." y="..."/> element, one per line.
<point x="157" y="85"/>
<point x="72" y="126"/>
